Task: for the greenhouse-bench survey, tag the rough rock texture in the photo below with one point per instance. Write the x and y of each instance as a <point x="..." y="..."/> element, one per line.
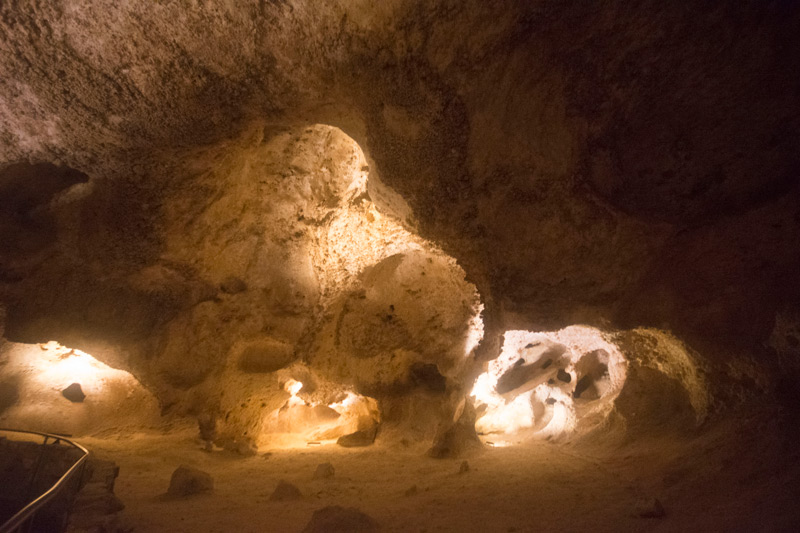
<point x="338" y="518"/>
<point x="610" y="164"/>
<point x="187" y="481"/>
<point x="457" y="437"/>
<point x="96" y="507"/>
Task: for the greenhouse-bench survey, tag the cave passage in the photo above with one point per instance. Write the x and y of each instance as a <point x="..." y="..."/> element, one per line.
<point x="300" y="320"/>
<point x="403" y="266"/>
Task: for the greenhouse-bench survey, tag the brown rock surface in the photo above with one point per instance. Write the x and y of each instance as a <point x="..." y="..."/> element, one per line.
<point x="338" y="518"/>
<point x="223" y="198"/>
<point x="187" y="481"/>
<point x="635" y="193"/>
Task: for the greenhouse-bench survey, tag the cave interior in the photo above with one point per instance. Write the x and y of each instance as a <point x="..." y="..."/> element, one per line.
<point x="340" y="265"/>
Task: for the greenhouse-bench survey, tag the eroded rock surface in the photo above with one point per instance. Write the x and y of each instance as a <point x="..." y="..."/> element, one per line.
<point x="183" y="193"/>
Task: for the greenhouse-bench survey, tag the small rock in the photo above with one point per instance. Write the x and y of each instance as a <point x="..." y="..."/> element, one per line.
<point x="464" y="468"/>
<point x="74" y="393"/>
<point x="563" y="375"/>
<point x="233" y="285"/>
<point x="649" y="508"/>
<point x="338" y="518"/>
<point x="324" y="471"/>
<point x="187" y="481"/>
<point x="285" y="491"/>
<point x="363" y="437"/>
<point x="240" y="447"/>
<point x="411" y="491"/>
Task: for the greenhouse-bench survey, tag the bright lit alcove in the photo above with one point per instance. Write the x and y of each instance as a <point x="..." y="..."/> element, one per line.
<point x="52" y="388"/>
<point x="547" y="384"/>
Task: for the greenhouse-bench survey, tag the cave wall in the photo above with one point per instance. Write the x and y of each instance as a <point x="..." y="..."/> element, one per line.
<point x="614" y="164"/>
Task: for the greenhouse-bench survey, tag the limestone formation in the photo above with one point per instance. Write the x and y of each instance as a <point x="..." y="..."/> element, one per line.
<point x="457" y="437"/>
<point x="459" y="221"/>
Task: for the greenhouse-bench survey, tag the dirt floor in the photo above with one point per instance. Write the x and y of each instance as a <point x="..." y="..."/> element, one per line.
<point x="734" y="476"/>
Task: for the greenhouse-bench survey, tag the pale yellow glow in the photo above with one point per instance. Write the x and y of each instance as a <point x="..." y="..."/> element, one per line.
<point x="509" y="417"/>
<point x="350" y="400"/>
<point x="293" y="387"/>
<point x="498" y="443"/>
<point x="516" y="411"/>
<point x="298" y="422"/>
<point x="113" y="398"/>
<point x="56" y="367"/>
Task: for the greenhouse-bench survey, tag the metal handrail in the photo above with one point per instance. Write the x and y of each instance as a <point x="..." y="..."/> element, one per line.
<point x="18" y="520"/>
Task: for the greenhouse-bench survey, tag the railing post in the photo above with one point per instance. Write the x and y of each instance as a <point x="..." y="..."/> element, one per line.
<point x="32" y="486"/>
<point x="25" y="520"/>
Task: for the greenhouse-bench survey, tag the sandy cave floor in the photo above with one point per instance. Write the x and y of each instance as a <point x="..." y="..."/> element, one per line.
<point x="726" y="479"/>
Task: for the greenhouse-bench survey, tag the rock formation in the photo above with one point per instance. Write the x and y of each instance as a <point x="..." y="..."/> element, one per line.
<point x="226" y="200"/>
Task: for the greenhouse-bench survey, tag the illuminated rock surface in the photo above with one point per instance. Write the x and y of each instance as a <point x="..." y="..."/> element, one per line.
<point x="556" y="233"/>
